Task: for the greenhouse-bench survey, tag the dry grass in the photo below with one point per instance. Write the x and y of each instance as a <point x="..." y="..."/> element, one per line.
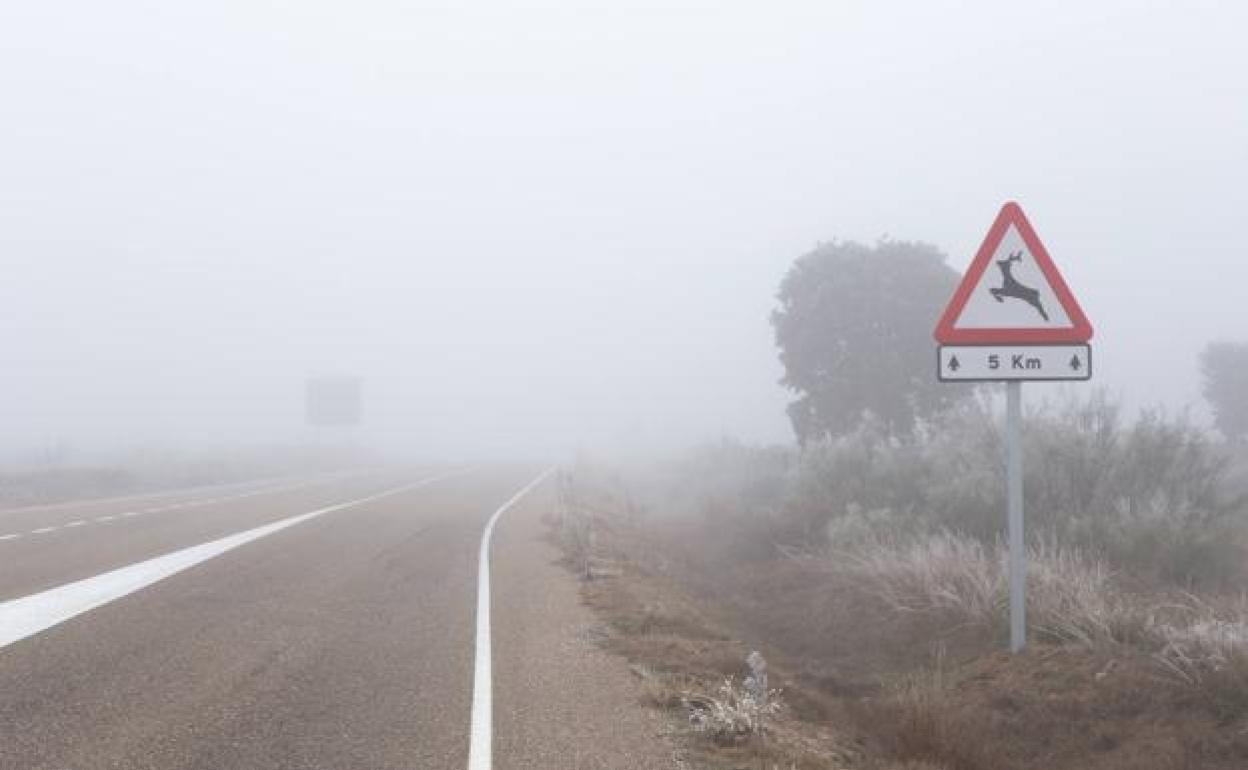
<point x="1209" y="653"/>
<point x="690" y="668"/>
<point x="956" y="580"/>
<point x="1072" y="599"/>
<point x="920" y="720"/>
<point x="714" y="688"/>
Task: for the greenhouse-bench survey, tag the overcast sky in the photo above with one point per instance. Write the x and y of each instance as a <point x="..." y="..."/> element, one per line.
<point x="534" y="226"/>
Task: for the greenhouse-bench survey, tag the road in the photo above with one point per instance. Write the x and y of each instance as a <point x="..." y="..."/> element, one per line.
<point x="322" y="623"/>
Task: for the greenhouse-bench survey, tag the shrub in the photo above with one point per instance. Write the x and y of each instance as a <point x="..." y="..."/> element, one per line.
<point x="1152" y="497"/>
<point x="1157" y="498"/>
<point x="734" y="713"/>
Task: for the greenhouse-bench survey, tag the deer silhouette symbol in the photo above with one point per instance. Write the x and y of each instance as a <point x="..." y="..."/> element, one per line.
<point x="1012" y="288"/>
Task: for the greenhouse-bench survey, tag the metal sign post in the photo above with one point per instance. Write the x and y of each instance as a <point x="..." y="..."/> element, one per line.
<point x="1017" y="323"/>
<point x="1014" y="505"/>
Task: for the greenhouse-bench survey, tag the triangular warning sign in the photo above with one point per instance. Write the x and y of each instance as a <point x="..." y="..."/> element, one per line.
<point x="1012" y="293"/>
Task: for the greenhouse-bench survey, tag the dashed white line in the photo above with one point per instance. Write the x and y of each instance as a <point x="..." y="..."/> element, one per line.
<point x="210" y="488"/>
<point x="481" y="742"/>
<point x="29" y="615"/>
<point x="173" y="506"/>
<point x="12" y="536"/>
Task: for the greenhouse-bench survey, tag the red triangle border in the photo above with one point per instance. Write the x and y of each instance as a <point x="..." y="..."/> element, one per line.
<point x="1079" y="331"/>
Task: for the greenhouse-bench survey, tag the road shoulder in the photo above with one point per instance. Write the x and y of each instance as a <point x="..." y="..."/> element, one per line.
<point x="561" y="701"/>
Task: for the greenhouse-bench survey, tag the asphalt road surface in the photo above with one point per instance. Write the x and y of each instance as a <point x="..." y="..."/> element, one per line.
<point x="308" y="623"/>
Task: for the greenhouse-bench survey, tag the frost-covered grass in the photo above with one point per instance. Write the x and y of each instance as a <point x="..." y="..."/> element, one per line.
<point x="735" y="712"/>
<point x="960" y="580"/>
<point x="1072" y="598"/>
<point x="1207" y="647"/>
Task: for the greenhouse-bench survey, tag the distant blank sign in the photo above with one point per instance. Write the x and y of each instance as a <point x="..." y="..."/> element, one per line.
<point x="982" y="363"/>
<point x="334" y="401"/>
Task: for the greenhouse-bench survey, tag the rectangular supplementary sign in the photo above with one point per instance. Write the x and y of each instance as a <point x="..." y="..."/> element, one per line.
<point x="991" y="363"/>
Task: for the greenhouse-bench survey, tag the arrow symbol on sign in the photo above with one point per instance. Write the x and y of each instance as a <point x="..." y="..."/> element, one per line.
<point x="954" y="365"/>
<point x="1075" y="363"/>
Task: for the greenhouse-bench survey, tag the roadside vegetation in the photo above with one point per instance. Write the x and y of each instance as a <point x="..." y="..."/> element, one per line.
<point x="867" y="564"/>
<point x="869" y="568"/>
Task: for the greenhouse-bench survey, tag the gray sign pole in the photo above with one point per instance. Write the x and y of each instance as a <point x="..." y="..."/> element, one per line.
<point x="1014" y="493"/>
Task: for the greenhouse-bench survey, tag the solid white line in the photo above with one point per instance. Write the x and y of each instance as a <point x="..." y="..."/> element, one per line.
<point x="10" y="537"/>
<point x="481" y="742"/>
<point x="20" y="618"/>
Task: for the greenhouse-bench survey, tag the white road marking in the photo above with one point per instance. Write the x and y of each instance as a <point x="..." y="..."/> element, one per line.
<point x="70" y="504"/>
<point x="29" y="615"/>
<point x="10" y="537"/>
<point x="481" y="742"/>
<point x="149" y="495"/>
<point x="184" y="504"/>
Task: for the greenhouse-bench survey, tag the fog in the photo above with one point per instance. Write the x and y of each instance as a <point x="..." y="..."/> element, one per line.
<point x="536" y="227"/>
